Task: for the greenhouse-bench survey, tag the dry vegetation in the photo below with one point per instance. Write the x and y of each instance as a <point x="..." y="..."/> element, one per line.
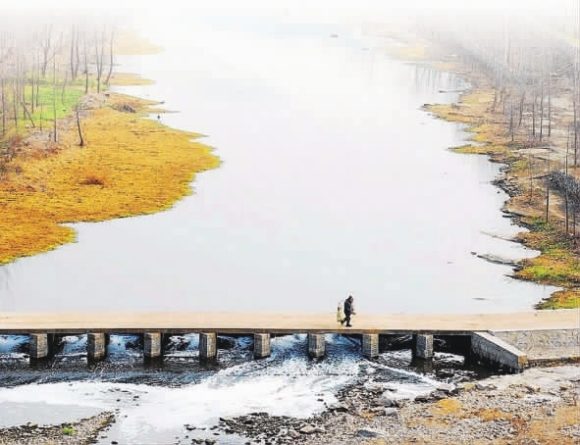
<point x="128" y="166"/>
<point x="536" y="428"/>
<point x="130" y="42"/>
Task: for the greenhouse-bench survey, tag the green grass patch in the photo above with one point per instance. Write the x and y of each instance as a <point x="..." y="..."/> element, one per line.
<point x="68" y="431"/>
<point x="44" y="109"/>
<point x="558" y="264"/>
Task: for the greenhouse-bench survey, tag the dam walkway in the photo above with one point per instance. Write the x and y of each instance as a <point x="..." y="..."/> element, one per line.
<point x="511" y="340"/>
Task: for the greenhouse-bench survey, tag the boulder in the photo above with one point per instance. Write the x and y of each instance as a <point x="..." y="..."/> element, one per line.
<point x="308" y="429"/>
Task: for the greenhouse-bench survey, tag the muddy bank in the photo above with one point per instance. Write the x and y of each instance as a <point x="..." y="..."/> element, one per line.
<point x="83" y="432"/>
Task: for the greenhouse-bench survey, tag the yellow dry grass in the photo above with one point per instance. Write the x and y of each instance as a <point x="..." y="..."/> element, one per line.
<point x="128" y="79"/>
<point x="129" y="42"/>
<point x="447" y="406"/>
<point x="129" y="166"/>
<point x="567" y="298"/>
<point x="490" y="414"/>
<point x="409" y="52"/>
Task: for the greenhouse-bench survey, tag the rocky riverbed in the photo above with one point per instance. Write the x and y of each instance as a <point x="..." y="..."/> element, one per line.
<point x="538" y="406"/>
<point x="83" y="432"/>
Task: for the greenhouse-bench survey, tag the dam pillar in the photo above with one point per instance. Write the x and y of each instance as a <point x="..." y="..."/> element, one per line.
<point x="261" y="345"/>
<point x="207" y="346"/>
<point x="38" y="347"/>
<point x="423" y="346"/>
<point x="316" y="345"/>
<point x="96" y="346"/>
<point x="370" y="345"/>
<point x="152" y="345"/>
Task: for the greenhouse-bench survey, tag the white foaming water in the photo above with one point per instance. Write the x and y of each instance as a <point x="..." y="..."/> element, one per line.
<point x="286" y="384"/>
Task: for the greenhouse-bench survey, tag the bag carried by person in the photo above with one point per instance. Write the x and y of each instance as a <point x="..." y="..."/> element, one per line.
<point x="340" y="312"/>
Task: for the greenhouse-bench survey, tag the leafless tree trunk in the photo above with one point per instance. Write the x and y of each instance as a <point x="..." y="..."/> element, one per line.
<point x="81" y="139"/>
<point x="522" y="99"/>
<point x="54" y="91"/>
<point x="74" y="65"/>
<point x="548" y="190"/>
<point x="99" y="58"/>
<point x="15" y="106"/>
<point x="86" y="60"/>
<point x="111" y="55"/>
<point x="3" y="86"/>
<point x="63" y="89"/>
<point x="27" y="114"/>
<point x="566" y="200"/>
<point x="531" y="173"/>
<point x="46" y="46"/>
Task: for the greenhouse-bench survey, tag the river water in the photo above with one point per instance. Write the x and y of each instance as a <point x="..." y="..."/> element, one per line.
<point x="333" y="181"/>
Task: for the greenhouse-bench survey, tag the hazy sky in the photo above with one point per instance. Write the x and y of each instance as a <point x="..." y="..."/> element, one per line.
<point x="342" y="9"/>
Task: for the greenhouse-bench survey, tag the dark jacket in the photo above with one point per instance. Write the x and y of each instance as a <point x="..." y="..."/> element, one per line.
<point x="347" y="307"/>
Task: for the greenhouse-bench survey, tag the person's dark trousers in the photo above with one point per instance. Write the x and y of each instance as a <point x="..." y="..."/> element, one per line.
<point x="347" y="319"/>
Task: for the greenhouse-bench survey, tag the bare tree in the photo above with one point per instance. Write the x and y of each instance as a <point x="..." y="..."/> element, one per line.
<point x="111" y="54"/>
<point x="79" y="128"/>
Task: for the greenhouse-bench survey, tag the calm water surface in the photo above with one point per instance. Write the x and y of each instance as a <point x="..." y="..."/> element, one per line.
<point x="333" y="181"/>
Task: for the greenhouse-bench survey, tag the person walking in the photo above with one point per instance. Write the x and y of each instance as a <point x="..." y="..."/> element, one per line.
<point x="348" y="310"/>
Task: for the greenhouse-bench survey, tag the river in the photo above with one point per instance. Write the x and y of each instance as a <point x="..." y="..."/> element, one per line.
<point x="333" y="182"/>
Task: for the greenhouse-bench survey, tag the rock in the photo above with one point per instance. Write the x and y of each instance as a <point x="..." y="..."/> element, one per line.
<point x="438" y="395"/>
<point x="128" y="108"/>
<point x="423" y="398"/>
<point x="532" y="389"/>
<point x="340" y="407"/>
<point x="497" y="259"/>
<point x="308" y="429"/>
<point x="400" y="403"/>
<point x="367" y="434"/>
<point x="390" y="411"/>
<point x="210" y="441"/>
<point x="293" y="434"/>
<point x="484" y="387"/>
<point x="447" y="388"/>
<point x="386" y="400"/>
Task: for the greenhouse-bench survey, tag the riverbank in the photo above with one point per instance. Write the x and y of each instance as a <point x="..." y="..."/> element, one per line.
<point x="82" y="432"/>
<point x="126" y="165"/>
<point x="526" y="164"/>
<point x="540" y="405"/>
<point x="537" y="406"/>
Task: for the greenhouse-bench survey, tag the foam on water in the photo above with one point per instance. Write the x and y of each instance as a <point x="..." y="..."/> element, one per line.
<point x="12" y="346"/>
<point x="286" y="384"/>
